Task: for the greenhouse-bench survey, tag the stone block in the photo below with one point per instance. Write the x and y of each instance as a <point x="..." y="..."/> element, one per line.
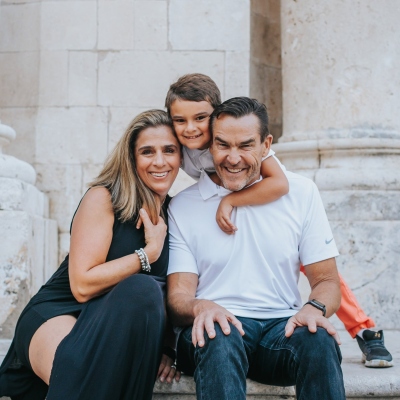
<point x="346" y="67"/>
<point x="23" y="120"/>
<point x="151" y="25"/>
<point x="267" y="8"/>
<point x="371" y="205"/>
<point x="19" y="27"/>
<point x="63" y="185"/>
<point x="51" y="248"/>
<point x="237" y="74"/>
<point x="228" y="20"/>
<point x="266" y="37"/>
<point x="118" y="75"/>
<point x="116" y="25"/>
<point x="15" y="262"/>
<point x="82" y="78"/>
<point x="16" y="195"/>
<point x="19" y="79"/>
<point x="182" y="181"/>
<point x="120" y="118"/>
<point x="63" y="246"/>
<point x="266" y="86"/>
<point x="68" y="25"/>
<point x="89" y="172"/>
<point x="71" y="135"/>
<point x="369" y="263"/>
<point x="53" y="86"/>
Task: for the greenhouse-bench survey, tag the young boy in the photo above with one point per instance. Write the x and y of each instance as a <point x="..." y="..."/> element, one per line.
<point x="190" y="101"/>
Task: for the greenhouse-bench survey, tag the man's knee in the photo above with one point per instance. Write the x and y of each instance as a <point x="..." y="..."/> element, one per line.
<point x="319" y="346"/>
<point x="221" y="347"/>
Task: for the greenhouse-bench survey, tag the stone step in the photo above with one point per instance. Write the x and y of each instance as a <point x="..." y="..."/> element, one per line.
<point x="360" y="382"/>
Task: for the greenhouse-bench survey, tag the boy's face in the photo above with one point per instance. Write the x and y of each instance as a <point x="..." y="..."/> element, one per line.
<point x="190" y="120"/>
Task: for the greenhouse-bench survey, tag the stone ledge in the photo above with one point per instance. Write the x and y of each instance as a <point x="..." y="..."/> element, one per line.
<point x="360" y="382"/>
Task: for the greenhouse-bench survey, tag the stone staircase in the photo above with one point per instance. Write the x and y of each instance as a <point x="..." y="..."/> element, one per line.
<point x="360" y="382"/>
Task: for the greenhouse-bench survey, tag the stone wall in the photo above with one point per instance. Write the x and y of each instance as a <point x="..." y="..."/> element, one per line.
<point x="75" y="72"/>
<point x="265" y="59"/>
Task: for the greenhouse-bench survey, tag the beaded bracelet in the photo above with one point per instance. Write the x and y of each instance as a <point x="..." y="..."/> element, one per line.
<point x="144" y="260"/>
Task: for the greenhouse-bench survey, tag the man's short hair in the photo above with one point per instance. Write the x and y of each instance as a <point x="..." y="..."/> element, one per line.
<point x="193" y="87"/>
<point x="239" y="107"/>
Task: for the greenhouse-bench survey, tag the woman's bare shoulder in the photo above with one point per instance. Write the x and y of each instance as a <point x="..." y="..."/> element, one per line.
<point x="97" y="199"/>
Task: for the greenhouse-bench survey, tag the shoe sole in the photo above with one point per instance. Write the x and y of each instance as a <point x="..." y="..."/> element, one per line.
<point x="376" y="363"/>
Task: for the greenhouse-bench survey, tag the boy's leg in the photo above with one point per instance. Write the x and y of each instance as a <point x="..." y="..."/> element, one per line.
<point x="350" y="312"/>
<point x="356" y="322"/>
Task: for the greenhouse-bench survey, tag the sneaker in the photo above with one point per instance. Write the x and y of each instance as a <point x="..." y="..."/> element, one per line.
<point x="375" y="354"/>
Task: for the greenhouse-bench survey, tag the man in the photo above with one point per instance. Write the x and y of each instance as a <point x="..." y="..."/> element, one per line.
<point x="236" y="296"/>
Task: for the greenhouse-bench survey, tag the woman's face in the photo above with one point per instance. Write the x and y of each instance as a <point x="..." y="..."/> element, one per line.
<point x="158" y="158"/>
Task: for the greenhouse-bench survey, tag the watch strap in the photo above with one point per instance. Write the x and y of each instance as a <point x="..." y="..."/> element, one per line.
<point x="319" y="305"/>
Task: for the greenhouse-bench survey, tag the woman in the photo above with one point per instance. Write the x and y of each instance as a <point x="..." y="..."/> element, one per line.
<point x="95" y="330"/>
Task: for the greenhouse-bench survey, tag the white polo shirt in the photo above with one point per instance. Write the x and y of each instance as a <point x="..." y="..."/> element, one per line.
<point x="195" y="161"/>
<point x="253" y="273"/>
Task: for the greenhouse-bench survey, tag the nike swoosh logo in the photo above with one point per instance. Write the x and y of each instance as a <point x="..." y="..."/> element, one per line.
<point x="328" y="241"/>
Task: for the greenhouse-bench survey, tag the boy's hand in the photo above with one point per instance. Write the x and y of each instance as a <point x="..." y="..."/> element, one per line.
<point x="223" y="216"/>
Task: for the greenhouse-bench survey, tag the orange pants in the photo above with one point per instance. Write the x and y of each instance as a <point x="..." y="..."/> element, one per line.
<point x="350" y="312"/>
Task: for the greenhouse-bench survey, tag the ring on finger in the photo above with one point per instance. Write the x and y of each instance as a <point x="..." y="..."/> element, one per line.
<point x="173" y="365"/>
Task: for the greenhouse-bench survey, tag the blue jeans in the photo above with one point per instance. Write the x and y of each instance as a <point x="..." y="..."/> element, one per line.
<point x="311" y="361"/>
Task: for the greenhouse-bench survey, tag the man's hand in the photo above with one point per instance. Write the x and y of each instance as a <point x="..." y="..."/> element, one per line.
<point x="223" y="216"/>
<point x="311" y="317"/>
<point x="208" y="313"/>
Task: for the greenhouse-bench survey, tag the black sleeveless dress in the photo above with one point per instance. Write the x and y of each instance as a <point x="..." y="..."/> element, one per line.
<point x="55" y="298"/>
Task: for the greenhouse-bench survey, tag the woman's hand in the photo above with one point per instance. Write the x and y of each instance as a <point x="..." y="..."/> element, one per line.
<point x="154" y="236"/>
<point x="167" y="370"/>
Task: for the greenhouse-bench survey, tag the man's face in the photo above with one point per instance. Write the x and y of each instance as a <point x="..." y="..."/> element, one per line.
<point x="237" y="150"/>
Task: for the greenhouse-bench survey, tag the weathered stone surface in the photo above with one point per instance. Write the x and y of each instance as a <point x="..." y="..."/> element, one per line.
<point x="118" y="75"/>
<point x="119" y="120"/>
<point x="68" y="25"/>
<point x="15" y="36"/>
<point x="182" y="182"/>
<point x="23" y="121"/>
<point x="16" y="230"/>
<point x="16" y="195"/>
<point x="53" y="87"/>
<point x="63" y="185"/>
<point x="82" y="78"/>
<point x="151" y="25"/>
<point x="71" y="135"/>
<point x="236" y="74"/>
<point x="116" y="25"/>
<point x="338" y="65"/>
<point x="19" y="79"/>
<point x="191" y="33"/>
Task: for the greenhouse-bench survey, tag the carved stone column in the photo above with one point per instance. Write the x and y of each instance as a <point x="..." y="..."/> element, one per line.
<point x="341" y="128"/>
<point x="28" y="244"/>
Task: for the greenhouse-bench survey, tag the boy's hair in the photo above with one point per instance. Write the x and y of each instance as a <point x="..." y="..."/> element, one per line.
<point x="193" y="87"/>
<point x="238" y="107"/>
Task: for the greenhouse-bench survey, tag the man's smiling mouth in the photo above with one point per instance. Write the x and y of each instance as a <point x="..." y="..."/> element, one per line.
<point x="234" y="170"/>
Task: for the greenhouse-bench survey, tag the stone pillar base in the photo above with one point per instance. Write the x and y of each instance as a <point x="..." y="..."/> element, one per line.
<point x="359" y="182"/>
<point x="28" y="248"/>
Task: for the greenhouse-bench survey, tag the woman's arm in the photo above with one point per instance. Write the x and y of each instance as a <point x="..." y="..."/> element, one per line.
<point x="92" y="229"/>
<point x="273" y="186"/>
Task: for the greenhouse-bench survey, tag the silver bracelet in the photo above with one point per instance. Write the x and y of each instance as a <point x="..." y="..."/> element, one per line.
<point x="144" y="260"/>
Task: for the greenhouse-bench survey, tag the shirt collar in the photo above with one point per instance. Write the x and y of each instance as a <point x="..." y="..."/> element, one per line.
<point x="208" y="188"/>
